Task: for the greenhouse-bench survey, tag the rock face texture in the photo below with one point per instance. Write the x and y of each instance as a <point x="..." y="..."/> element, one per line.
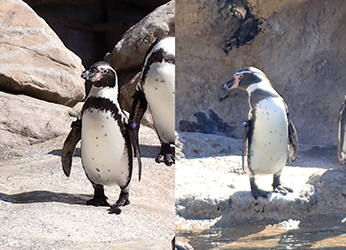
<point x="34" y="61"/>
<point x="296" y="43"/>
<point x="25" y="120"/>
<point x="91" y="28"/>
<point x="213" y="190"/>
<point x="128" y="54"/>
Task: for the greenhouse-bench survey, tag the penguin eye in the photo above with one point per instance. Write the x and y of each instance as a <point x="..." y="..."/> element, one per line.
<point x="103" y="71"/>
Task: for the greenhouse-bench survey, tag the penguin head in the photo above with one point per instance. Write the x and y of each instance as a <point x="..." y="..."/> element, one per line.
<point x="101" y="74"/>
<point x="244" y="78"/>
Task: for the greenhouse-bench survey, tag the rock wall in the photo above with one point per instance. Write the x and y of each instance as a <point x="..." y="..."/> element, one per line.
<point x="34" y="61"/>
<point x="297" y="43"/>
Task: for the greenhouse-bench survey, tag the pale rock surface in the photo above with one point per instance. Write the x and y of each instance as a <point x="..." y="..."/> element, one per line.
<point x="213" y="191"/>
<point x="129" y="52"/>
<point x="41" y="208"/>
<point x="34" y="61"/>
<point x="25" y="121"/>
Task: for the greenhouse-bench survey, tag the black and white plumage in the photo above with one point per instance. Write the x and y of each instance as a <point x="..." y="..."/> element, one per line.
<point x="341" y="135"/>
<point x="269" y="133"/>
<point x="156" y="88"/>
<point x="107" y="141"/>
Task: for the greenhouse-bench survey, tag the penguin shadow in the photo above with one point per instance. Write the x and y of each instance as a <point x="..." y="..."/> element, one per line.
<point x="58" y="152"/>
<point x="147" y="151"/>
<point x="41" y="196"/>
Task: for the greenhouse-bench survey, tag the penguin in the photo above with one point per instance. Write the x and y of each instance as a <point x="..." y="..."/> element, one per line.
<point x="156" y="89"/>
<point x="269" y="135"/>
<point x="341" y="135"/>
<point x="107" y="139"/>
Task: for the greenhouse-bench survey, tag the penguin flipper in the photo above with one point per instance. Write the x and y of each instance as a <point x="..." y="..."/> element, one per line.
<point x="245" y="142"/>
<point x="292" y="141"/>
<point x="134" y="142"/>
<point x="70" y="145"/>
<point x="341" y="134"/>
<point x="138" y="108"/>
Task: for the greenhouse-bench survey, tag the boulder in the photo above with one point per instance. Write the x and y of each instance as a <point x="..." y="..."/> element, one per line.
<point x="129" y="52"/>
<point x="25" y="120"/>
<point x="34" y="61"/>
<point x="294" y="42"/>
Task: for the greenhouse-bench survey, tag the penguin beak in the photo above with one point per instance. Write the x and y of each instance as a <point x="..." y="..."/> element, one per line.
<point x="85" y="75"/>
<point x="228" y="85"/>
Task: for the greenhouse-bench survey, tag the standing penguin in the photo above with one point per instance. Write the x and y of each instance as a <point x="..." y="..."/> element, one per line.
<point x="341" y="135"/>
<point x="157" y="88"/>
<point x="107" y="141"/>
<point x="269" y="133"/>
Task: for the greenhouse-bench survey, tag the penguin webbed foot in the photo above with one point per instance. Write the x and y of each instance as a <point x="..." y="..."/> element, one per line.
<point x="278" y="188"/>
<point x="99" y="197"/>
<point x="259" y="193"/>
<point x="282" y="190"/>
<point x="166" y="155"/>
<point x="256" y="192"/>
<point x="121" y="202"/>
<point x="99" y="201"/>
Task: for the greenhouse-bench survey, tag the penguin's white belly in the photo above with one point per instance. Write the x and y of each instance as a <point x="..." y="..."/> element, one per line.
<point x="104" y="154"/>
<point x="159" y="89"/>
<point x="269" y="146"/>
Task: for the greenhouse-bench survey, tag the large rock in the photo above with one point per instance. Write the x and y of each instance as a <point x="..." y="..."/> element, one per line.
<point x="296" y="43"/>
<point x="129" y="52"/>
<point x="25" y="121"/>
<point x="34" y="61"/>
<point x="213" y="190"/>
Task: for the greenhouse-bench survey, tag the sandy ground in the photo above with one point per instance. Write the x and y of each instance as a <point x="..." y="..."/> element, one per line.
<point x="40" y="208"/>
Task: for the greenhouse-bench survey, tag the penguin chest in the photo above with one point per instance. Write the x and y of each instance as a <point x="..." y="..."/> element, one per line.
<point x="104" y="150"/>
<point x="268" y="148"/>
<point x="159" y="90"/>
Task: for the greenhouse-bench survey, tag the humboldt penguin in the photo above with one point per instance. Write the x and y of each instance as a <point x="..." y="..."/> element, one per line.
<point x="107" y="139"/>
<point x="269" y="133"/>
<point x="156" y="88"/>
<point x="341" y="135"/>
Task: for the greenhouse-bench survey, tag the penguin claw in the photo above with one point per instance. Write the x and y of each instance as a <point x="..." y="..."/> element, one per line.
<point x="283" y="190"/>
<point x="167" y="158"/>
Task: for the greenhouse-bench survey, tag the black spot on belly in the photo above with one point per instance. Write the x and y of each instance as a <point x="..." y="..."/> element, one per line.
<point x="97" y="146"/>
<point x="102" y="126"/>
<point x="107" y="180"/>
<point x="155" y="88"/>
<point x="92" y="158"/>
<point x="109" y="170"/>
<point x="162" y="80"/>
<point x="98" y="176"/>
<point x="122" y="172"/>
<point x="98" y="170"/>
<point x="105" y="134"/>
<point x="97" y="138"/>
<point x="157" y="80"/>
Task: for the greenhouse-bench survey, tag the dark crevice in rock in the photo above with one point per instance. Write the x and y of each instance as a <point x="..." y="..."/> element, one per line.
<point x="248" y="24"/>
<point x="208" y="123"/>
